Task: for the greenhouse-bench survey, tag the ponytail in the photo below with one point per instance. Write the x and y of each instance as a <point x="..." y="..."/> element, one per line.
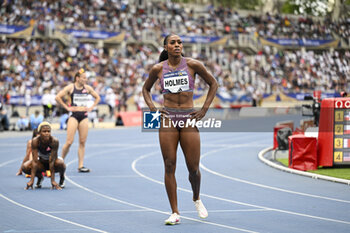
<point x="75" y="76"/>
<point x="163" y="56"/>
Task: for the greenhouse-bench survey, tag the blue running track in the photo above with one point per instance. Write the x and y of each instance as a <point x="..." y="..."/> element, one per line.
<point x="124" y="192"/>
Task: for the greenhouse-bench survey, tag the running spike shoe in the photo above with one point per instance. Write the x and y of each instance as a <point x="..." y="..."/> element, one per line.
<point x="202" y="211"/>
<point x="173" y="219"/>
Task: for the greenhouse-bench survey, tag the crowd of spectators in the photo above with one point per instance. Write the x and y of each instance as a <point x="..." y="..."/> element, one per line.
<point x="272" y="71"/>
<point x="165" y="16"/>
<point x="343" y="30"/>
<point x="44" y="67"/>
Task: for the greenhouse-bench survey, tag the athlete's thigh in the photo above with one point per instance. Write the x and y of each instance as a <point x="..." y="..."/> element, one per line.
<point x="83" y="129"/>
<point x="190" y="145"/>
<point x="27" y="166"/>
<point x="72" y="126"/>
<point x="168" y="140"/>
<point x="40" y="167"/>
<point x="59" y="163"/>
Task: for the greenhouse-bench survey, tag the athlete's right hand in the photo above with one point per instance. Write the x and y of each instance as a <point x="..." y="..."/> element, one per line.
<point x="70" y="109"/>
<point x="77" y="109"/>
<point x="55" y="185"/>
<point x="164" y="113"/>
<point x="29" y="185"/>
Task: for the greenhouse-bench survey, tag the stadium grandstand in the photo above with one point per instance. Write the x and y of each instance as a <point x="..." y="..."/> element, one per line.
<point x="259" y="54"/>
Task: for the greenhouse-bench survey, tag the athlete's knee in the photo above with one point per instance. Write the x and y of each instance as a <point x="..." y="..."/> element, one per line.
<point x="170" y="166"/>
<point x="193" y="173"/>
<point x="61" y="168"/>
<point x="26" y="169"/>
<point x="82" y="142"/>
<point x="69" y="143"/>
<point x="192" y="168"/>
<point x="59" y="164"/>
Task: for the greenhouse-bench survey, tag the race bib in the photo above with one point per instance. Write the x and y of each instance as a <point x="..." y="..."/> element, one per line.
<point x="176" y="81"/>
<point x="81" y="100"/>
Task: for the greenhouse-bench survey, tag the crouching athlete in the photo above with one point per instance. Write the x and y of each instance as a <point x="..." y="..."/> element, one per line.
<point x="44" y="150"/>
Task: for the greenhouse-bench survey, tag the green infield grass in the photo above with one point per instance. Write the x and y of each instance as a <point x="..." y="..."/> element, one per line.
<point x="339" y="172"/>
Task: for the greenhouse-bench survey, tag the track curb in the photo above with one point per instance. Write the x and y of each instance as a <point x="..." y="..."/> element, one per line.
<point x="262" y="158"/>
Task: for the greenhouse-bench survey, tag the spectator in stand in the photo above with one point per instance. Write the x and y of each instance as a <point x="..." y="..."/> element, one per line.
<point x="27" y="100"/>
<point x="110" y="99"/>
<point x="63" y="120"/>
<point x="36" y="119"/>
<point x="4" y="120"/>
<point x="6" y="99"/>
<point x="139" y="101"/>
<point x="122" y="102"/>
<point x="22" y="123"/>
<point x="53" y="103"/>
<point x="93" y="114"/>
<point x="46" y="103"/>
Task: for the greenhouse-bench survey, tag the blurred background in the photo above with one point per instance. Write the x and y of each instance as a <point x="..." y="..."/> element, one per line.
<point x="263" y="53"/>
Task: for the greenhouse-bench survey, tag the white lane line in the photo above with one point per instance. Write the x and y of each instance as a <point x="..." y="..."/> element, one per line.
<point x="151" y="209"/>
<point x="94" y="211"/>
<point x="229" y="211"/>
<point x="133" y="165"/>
<point x="43" y="230"/>
<point x="121" y="176"/>
<point x="142" y="210"/>
<point x="8" y="162"/>
<point x="262" y="185"/>
<point x="49" y="215"/>
<point x="232" y="146"/>
<point x="15" y="144"/>
<point x="147" y="208"/>
<point x="232" y="201"/>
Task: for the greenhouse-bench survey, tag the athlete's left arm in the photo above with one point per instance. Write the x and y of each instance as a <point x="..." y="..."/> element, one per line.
<point x="95" y="95"/>
<point x="200" y="69"/>
<point x="52" y="159"/>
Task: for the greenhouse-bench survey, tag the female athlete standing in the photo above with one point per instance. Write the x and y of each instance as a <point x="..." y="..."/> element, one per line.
<point x="177" y="77"/>
<point x="79" y="92"/>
